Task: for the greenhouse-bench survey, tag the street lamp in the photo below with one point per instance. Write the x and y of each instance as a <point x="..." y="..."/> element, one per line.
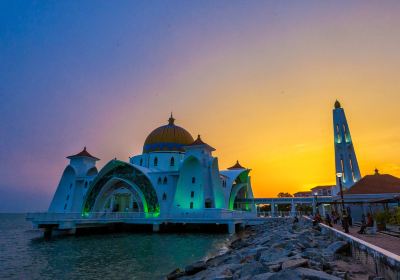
<point x="316" y="202"/>
<point x="339" y="175"/>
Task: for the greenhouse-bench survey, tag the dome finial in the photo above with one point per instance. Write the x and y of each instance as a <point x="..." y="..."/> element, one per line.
<point x="337" y="104"/>
<point x="376" y="171"/>
<point x="171" y="120"/>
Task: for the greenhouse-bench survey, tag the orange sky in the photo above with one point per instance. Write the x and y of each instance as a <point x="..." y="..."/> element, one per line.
<point x="269" y="102"/>
<point x="257" y="80"/>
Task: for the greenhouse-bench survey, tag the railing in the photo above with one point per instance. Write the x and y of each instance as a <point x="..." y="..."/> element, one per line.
<point x="112" y="216"/>
<point x="269" y="214"/>
<point x="49" y="216"/>
<point x="215" y="214"/>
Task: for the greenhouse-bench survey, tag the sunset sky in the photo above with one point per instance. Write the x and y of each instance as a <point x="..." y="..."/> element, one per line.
<point x="257" y="80"/>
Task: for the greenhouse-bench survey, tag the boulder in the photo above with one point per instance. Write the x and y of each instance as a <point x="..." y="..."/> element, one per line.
<point x="273" y="254"/>
<point x="262" y="276"/>
<point x="285" y="275"/>
<point x="337" y="247"/>
<point x="250" y="269"/>
<point x="312" y="274"/>
<point x="175" y="274"/>
<point x="195" y="267"/>
<point x="294" y="263"/>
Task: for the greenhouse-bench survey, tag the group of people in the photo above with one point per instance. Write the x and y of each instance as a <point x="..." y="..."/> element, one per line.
<point x="346" y="219"/>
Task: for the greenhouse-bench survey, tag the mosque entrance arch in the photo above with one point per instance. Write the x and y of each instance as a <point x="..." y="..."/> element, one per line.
<point x="239" y="191"/>
<point x="119" y="195"/>
<point x="121" y="187"/>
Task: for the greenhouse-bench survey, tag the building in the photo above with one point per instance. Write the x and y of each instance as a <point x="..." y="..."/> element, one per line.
<point x="322" y="190"/>
<point x="303" y="194"/>
<point x="174" y="176"/>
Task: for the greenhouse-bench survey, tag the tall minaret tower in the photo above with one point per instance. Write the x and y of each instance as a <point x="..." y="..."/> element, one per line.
<point x="345" y="157"/>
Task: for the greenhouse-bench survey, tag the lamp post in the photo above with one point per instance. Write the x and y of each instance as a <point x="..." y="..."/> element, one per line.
<point x="339" y="175"/>
<point x="316" y="202"/>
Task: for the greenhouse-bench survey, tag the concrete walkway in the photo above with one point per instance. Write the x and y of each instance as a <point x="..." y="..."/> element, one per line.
<point x="389" y="243"/>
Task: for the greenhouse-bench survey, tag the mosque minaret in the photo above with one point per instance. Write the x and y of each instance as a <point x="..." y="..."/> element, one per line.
<point x="345" y="156"/>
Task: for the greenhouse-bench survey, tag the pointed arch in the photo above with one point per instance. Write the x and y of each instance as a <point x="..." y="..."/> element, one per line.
<point x="122" y="171"/>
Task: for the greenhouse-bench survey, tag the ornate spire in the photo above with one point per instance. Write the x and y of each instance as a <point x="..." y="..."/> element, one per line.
<point x="236" y="166"/>
<point x="337" y="104"/>
<point x="376" y="171"/>
<point x="171" y="120"/>
<point x="83" y="153"/>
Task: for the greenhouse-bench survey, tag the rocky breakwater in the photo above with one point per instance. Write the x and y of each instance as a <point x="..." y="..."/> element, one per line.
<point x="279" y="249"/>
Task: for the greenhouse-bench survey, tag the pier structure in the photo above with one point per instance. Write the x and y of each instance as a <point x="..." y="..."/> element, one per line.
<point x="70" y="223"/>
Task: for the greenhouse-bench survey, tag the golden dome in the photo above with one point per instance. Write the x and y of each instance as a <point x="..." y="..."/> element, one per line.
<point x="167" y="138"/>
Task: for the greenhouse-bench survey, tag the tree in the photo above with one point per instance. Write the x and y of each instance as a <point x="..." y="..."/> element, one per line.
<point x="283" y="194"/>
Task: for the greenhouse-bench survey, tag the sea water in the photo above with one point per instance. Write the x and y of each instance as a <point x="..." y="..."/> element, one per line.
<point x="24" y="254"/>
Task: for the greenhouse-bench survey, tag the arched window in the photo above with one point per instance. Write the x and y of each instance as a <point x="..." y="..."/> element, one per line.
<point x="172" y="161"/>
<point x="65" y="206"/>
<point x="165" y="181"/>
<point x="164" y="196"/>
<point x="67" y="197"/>
<point x="193" y="180"/>
<point x="86" y="184"/>
<point x="159" y="181"/>
<point x="141" y="162"/>
<point x="192" y="194"/>
<point x="155" y="161"/>
<point x="70" y="186"/>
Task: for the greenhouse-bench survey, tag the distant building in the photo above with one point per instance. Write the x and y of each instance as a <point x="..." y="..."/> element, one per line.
<point x="303" y="194"/>
<point x="322" y="190"/>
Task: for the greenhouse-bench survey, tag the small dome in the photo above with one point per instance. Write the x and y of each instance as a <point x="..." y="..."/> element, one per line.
<point x="167" y="138"/>
<point x="337" y="105"/>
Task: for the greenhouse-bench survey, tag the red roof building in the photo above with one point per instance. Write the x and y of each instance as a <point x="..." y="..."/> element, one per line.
<point x="376" y="184"/>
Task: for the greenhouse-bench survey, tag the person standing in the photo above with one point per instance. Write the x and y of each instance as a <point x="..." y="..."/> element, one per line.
<point x="328" y="219"/>
<point x="345" y="222"/>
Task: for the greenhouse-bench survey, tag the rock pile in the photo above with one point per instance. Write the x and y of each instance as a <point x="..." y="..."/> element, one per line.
<point x="276" y="250"/>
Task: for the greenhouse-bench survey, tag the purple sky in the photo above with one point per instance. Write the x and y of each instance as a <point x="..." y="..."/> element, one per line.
<point x="103" y="74"/>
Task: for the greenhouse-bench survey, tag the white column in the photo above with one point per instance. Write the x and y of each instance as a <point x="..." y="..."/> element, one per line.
<point x="293" y="210"/>
<point x="156" y="227"/>
<point x="273" y="209"/>
<point x="231" y="228"/>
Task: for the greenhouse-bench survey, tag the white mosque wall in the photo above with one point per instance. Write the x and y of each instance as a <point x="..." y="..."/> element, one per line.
<point x="217" y="187"/>
<point x="162" y="161"/>
<point x="189" y="192"/>
<point x="62" y="196"/>
<point x="73" y="185"/>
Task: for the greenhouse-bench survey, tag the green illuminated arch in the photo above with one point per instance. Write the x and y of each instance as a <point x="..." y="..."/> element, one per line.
<point x="122" y="171"/>
<point x="240" y="184"/>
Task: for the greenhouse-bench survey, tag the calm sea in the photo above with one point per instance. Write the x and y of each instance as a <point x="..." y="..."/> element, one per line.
<point x="24" y="254"/>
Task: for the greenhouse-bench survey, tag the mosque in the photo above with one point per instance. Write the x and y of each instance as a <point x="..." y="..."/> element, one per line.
<point x="175" y="176"/>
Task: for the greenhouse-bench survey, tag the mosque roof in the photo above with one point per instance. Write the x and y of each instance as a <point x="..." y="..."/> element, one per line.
<point x="167" y="138"/>
<point x="199" y="142"/>
<point x="83" y="153"/>
<point x="236" y="166"/>
<point x="376" y="184"/>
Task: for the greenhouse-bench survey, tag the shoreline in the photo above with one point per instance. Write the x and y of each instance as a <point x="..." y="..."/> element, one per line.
<point x="279" y="249"/>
